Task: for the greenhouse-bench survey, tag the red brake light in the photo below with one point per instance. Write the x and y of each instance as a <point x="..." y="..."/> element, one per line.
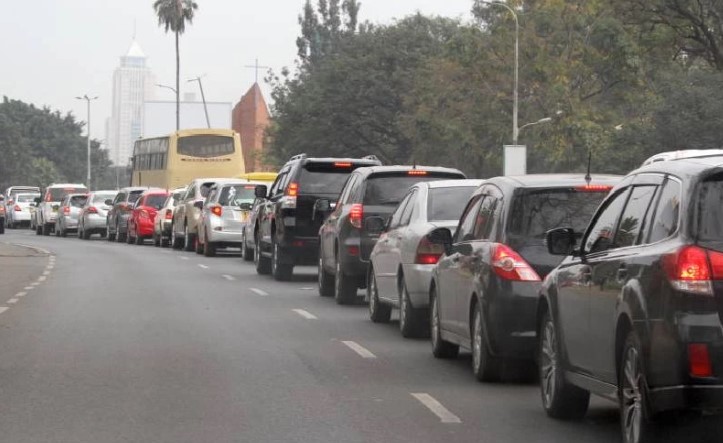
<point x="509" y="265"/>
<point x="249" y="187"/>
<point x="342" y="164"/>
<point x="66" y="210"/>
<point x="292" y="190"/>
<point x="92" y="210"/>
<point x="428" y="253"/>
<point x="416" y="172"/>
<point x="593" y="188"/>
<point x="169" y="214"/>
<point x="689" y="270"/>
<point x="216" y="210"/>
<point x="356" y="214"/>
<point x="18" y="208"/>
<point x="699" y="360"/>
<point x="48" y="197"/>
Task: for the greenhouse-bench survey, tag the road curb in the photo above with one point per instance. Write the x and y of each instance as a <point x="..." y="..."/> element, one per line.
<point x="36" y="249"/>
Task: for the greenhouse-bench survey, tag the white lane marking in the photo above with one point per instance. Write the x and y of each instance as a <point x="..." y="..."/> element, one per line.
<point x="259" y="292"/>
<point x="445" y="416"/>
<point x="35" y="248"/>
<point x="49" y="267"/>
<point x="21" y="294"/>
<point x="46" y="273"/>
<point x="33" y="284"/>
<point x="203" y="266"/>
<point x="359" y="349"/>
<point x="3" y="309"/>
<point x="306" y="314"/>
<point x="29" y="288"/>
<point x="183" y="257"/>
<point x="42" y="278"/>
<point x="229" y="277"/>
<point x="12" y="301"/>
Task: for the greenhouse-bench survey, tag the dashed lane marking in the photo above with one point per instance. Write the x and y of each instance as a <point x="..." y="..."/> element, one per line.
<point x="259" y="292"/>
<point x="42" y="278"/>
<point x="203" y="266"/>
<point x="46" y="273"/>
<point x="229" y="277"/>
<point x="21" y="294"/>
<point x="183" y="257"/>
<point x="3" y="309"/>
<point x="29" y="288"/>
<point x="444" y="414"/>
<point x="359" y="349"/>
<point x="12" y="301"/>
<point x="306" y="314"/>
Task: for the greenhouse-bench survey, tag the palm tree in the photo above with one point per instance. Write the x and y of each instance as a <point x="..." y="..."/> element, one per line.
<point x="173" y="15"/>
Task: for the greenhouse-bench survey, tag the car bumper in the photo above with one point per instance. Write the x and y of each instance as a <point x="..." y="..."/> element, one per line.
<point x="511" y="317"/>
<point x="696" y="397"/>
<point x="302" y="251"/>
<point x="20" y="217"/>
<point x="418" y="279"/>
<point x="94" y="222"/>
<point x="144" y="228"/>
<point x="225" y="237"/>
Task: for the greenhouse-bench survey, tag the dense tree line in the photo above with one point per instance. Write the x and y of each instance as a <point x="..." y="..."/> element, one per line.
<point x="623" y="79"/>
<point x="39" y="146"/>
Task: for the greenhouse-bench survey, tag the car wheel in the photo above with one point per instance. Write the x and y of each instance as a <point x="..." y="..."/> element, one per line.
<point x="199" y="247"/>
<point x="165" y="242"/>
<point x="138" y="240"/>
<point x="263" y="264"/>
<point x="111" y="235"/>
<point x="413" y="323"/>
<point x="209" y="248"/>
<point x="485" y="366"/>
<point x="344" y="287"/>
<point x="247" y="254"/>
<point x="56" y="230"/>
<point x="378" y="312"/>
<point x="120" y="237"/>
<point x="86" y="234"/>
<point x="634" y="416"/>
<point x="559" y="398"/>
<point x="63" y="232"/>
<point x="156" y="240"/>
<point x="176" y="242"/>
<point x="280" y="271"/>
<point x="188" y="240"/>
<point x="129" y="237"/>
<point x="326" y="281"/>
<point x="440" y="347"/>
<point x="38" y="230"/>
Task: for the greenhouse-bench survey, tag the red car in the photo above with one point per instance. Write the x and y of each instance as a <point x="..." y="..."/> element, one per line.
<point x="140" y="223"/>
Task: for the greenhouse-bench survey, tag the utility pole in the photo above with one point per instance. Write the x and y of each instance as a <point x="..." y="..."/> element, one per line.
<point x="88" y="100"/>
<point x="203" y="97"/>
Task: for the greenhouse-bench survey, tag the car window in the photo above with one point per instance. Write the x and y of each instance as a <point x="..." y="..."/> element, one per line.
<point x="119" y="198"/>
<point x="134" y="196"/>
<point x="205" y="188"/>
<point x="665" y="221"/>
<point x="276" y="188"/>
<point x="600" y="237"/>
<point x="465" y="231"/>
<point x="407" y="214"/>
<point x="77" y="201"/>
<point x="236" y="195"/>
<point x="348" y="189"/>
<point x="318" y="179"/>
<point x="485" y="219"/>
<point x="447" y="203"/>
<point x="398" y="213"/>
<point x="155" y="200"/>
<point x="389" y="189"/>
<point x="631" y="223"/>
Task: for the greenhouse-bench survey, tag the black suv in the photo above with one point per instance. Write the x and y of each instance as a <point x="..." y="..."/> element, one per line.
<point x="350" y="232"/>
<point x="286" y="233"/>
<point x="635" y="314"/>
<point x="485" y="288"/>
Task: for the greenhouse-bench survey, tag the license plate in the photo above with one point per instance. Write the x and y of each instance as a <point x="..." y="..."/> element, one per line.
<point x="244" y="216"/>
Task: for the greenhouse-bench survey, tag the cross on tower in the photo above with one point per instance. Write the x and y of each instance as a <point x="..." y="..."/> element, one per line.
<point x="256" y="67"/>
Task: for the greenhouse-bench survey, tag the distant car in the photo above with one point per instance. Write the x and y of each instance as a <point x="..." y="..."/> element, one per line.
<point x="184" y="231"/>
<point x="223" y="217"/>
<point x="67" y="220"/>
<point x="402" y="261"/>
<point x="47" y="211"/>
<point x="143" y="215"/>
<point x="484" y="293"/>
<point x="117" y="217"/>
<point x="93" y="214"/>
<point x="19" y="211"/>
<point x="635" y="312"/>
<point x="348" y="235"/>
<point x="682" y="154"/>
<point x="2" y="214"/>
<point x="164" y="219"/>
<point x="11" y="194"/>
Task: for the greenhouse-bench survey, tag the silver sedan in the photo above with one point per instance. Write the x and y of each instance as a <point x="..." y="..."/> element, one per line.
<point x="93" y="214"/>
<point x="403" y="259"/>
<point x="68" y="214"/>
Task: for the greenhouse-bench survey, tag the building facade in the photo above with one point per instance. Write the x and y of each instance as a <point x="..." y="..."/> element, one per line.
<point x="250" y="119"/>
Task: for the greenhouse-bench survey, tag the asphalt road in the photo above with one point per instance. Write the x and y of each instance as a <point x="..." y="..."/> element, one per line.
<point x="125" y="343"/>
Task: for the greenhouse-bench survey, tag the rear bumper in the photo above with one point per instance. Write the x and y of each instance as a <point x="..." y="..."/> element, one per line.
<point x="302" y="251"/>
<point x="511" y="317"/>
<point x="94" y="223"/>
<point x="225" y="237"/>
<point x="702" y="398"/>
<point x="20" y="216"/>
<point x="418" y="279"/>
<point x="145" y="228"/>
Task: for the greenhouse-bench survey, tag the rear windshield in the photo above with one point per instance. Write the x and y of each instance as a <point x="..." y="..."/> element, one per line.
<point x="177" y="196"/>
<point x="205" y="146"/>
<point x="15" y="192"/>
<point x="156" y="200"/>
<point x="237" y="194"/>
<point x="323" y="178"/>
<point x="391" y="189"/>
<point x="134" y="196"/>
<point x="100" y="198"/>
<point x="78" y="201"/>
<point x="710" y="210"/>
<point x="26" y="198"/>
<point x="206" y="188"/>
<point x="534" y="213"/>
<point x="57" y="194"/>
<point x="448" y="203"/>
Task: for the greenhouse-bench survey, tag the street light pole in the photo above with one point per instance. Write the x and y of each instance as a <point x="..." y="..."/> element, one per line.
<point x="203" y="97"/>
<point x="88" y="100"/>
<point x="515" y="101"/>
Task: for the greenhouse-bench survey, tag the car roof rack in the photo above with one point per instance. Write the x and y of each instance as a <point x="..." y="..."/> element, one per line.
<point x="298" y="157"/>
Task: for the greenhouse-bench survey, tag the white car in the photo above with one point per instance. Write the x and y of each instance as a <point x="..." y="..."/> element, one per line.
<point x="686" y="153"/>
<point x="20" y="210"/>
<point x="403" y="259"/>
<point x="47" y="211"/>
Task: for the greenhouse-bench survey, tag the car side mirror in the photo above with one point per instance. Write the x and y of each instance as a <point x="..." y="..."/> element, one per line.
<point x="375" y="225"/>
<point x="108" y="202"/>
<point x="198" y="204"/>
<point x="37" y="200"/>
<point x="441" y="236"/>
<point x="560" y="241"/>
<point x="261" y="191"/>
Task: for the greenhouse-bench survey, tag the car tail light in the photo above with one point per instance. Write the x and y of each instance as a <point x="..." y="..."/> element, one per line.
<point x="428" y="253"/>
<point x="509" y="265"/>
<point x="292" y="190"/>
<point x="593" y="188"/>
<point x="66" y="210"/>
<point x="48" y="197"/>
<point x="18" y="208"/>
<point x="169" y="214"/>
<point x="699" y="360"/>
<point x="692" y="269"/>
<point x="416" y="172"/>
<point x="216" y="210"/>
<point x="353" y="250"/>
<point x="356" y="214"/>
<point x="92" y="210"/>
<point x="342" y="164"/>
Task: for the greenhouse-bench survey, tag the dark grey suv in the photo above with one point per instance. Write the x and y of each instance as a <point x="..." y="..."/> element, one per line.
<point x="117" y="220"/>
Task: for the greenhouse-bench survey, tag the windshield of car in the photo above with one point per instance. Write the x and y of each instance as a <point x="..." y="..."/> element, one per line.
<point x="236" y="195"/>
<point x="101" y="198"/>
<point x="447" y="203"/>
<point x="26" y="198"/>
<point x="390" y="188"/>
<point x="156" y="200"/>
<point x="77" y="201"/>
<point x="57" y="194"/>
<point x="133" y="196"/>
<point x="710" y="211"/>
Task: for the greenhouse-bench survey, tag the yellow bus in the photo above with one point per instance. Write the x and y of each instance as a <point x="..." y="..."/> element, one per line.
<point x="174" y="160"/>
<point x="264" y="177"/>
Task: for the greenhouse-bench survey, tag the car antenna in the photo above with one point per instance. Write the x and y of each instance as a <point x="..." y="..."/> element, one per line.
<point x="588" y="178"/>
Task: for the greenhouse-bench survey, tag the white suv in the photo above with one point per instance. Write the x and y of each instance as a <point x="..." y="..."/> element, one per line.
<point x="184" y="231"/>
<point x="47" y="211"/>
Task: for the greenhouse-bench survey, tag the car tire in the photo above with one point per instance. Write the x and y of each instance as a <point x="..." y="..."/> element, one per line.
<point x="120" y="237"/>
<point x="63" y="233"/>
<point x="345" y="288"/>
<point x="86" y="234"/>
<point x="199" y="247"/>
<point x="440" y="347"/>
<point x="176" y="242"/>
<point x="326" y="281"/>
<point x="156" y="240"/>
<point x="635" y="420"/>
<point x="110" y="235"/>
<point x="378" y="312"/>
<point x="280" y="271"/>
<point x="46" y="229"/>
<point x="38" y="230"/>
<point x="247" y="254"/>
<point x="485" y="366"/>
<point x="209" y="248"/>
<point x="129" y="238"/>
<point x="138" y="240"/>
<point x="413" y="322"/>
<point x="165" y="242"/>
<point x="189" y="240"/>
<point x="560" y="399"/>
<point x="263" y="264"/>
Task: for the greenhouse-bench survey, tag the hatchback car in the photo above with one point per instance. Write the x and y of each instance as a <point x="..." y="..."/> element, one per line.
<point x="47" y="210"/>
<point x="67" y="220"/>
<point x="10" y="199"/>
<point x="93" y="214"/>
<point x="164" y="219"/>
<point x="403" y="259"/>
<point x="224" y="216"/>
<point x="20" y="210"/>
<point x="635" y="313"/>
<point x="349" y="233"/>
<point x="184" y="230"/>
<point x="143" y="215"/>
<point x="485" y="288"/>
<point x="117" y="218"/>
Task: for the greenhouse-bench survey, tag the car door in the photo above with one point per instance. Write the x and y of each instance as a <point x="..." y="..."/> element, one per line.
<point x="330" y="228"/>
<point x="383" y="268"/>
<point x="180" y="213"/>
<point x="394" y="246"/>
<point x="269" y="207"/>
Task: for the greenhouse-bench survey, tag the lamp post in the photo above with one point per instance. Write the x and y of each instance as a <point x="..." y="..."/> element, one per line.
<point x="203" y="97"/>
<point x="167" y="87"/>
<point x="88" y="100"/>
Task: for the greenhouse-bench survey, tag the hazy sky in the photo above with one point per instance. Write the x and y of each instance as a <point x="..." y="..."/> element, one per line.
<point x="55" y="50"/>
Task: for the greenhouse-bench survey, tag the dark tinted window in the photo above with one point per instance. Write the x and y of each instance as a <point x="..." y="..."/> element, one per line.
<point x="485" y="218"/>
<point x="710" y="210"/>
<point x="77" y="201"/>
<point x="631" y="222"/>
<point x="26" y="198"/>
<point x="447" y="203"/>
<point x="665" y="222"/>
<point x="601" y="234"/>
<point x="390" y="189"/>
<point x="235" y="195"/>
<point x="57" y="194"/>
<point x="536" y="212"/>
<point x="134" y="196"/>
<point x="156" y="200"/>
<point x="468" y="221"/>
<point x="320" y="180"/>
<point x="205" y="146"/>
<point x="206" y="188"/>
<point x="397" y="216"/>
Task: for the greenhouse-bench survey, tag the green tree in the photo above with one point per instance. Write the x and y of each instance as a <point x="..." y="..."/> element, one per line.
<point x="173" y="16"/>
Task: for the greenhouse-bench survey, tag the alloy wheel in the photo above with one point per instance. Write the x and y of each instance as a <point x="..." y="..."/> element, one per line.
<point x="548" y="363"/>
<point x="373" y="300"/>
<point x="477" y="341"/>
<point x="632" y="399"/>
<point x="435" y="323"/>
<point x="403" y="308"/>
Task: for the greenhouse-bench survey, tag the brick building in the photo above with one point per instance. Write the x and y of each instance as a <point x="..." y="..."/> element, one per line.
<point x="250" y="119"/>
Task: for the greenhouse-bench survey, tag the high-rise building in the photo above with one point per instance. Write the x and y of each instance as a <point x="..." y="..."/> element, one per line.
<point x="132" y="85"/>
<point x="250" y="119"/>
